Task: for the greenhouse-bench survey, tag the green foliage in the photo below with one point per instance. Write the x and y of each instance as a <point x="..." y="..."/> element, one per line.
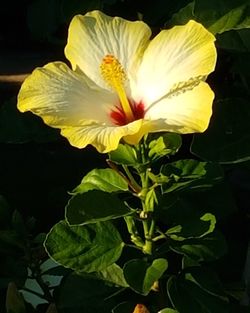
<point x="87" y="248"/>
<point x="193" y="228"/>
<point x="218" y="16"/>
<point x="236" y="41"/>
<point x="102" y="179"/>
<point x="124" y="154"/>
<point x="112" y="274"/>
<point x="207" y="248"/>
<point x="228" y="14"/>
<point x="94" y="206"/>
<point x="141" y="275"/>
<point x="79" y="294"/>
<point x="166" y="144"/>
<point x="190" y="174"/>
<point x="196" y="290"/>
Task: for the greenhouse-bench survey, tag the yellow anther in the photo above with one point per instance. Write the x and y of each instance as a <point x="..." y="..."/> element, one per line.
<point x="115" y="76"/>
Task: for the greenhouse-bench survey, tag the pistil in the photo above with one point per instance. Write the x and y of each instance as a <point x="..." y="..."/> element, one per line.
<point x="115" y="76"/>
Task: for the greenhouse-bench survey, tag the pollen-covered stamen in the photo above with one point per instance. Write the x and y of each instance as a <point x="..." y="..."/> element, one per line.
<point x="115" y="76"/>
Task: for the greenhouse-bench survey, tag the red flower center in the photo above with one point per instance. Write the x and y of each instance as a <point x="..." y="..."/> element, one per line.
<point x="120" y="118"/>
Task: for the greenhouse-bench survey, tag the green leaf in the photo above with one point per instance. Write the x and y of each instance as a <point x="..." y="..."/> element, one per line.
<point x="218" y="16"/>
<point x="141" y="275"/>
<point x="78" y="294"/>
<point x="236" y="41"/>
<point x="151" y="200"/>
<point x="205" y="278"/>
<point x="183" y="15"/>
<point x="87" y="248"/>
<point x="193" y="228"/>
<point x="208" y="248"/>
<point x="217" y="200"/>
<point x="189" y="295"/>
<point x="102" y="179"/>
<point x="113" y="274"/>
<point x="221" y="15"/>
<point x="160" y="146"/>
<point x="227" y="139"/>
<point x="94" y="206"/>
<point x="124" y="154"/>
<point x="190" y="174"/>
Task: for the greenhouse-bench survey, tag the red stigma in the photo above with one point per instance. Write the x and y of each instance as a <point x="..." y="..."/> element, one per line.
<point x="119" y="117"/>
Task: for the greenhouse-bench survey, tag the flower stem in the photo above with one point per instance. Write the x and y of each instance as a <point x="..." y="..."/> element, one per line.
<point x="133" y="182"/>
<point x="134" y="236"/>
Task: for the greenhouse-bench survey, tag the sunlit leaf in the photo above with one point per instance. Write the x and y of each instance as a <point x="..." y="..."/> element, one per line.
<point x="94" y="206"/>
<point x="141" y="275"/>
<point x="190" y="174"/>
<point x="168" y="310"/>
<point x="193" y="228"/>
<point x="87" y="248"/>
<point x="102" y="179"/>
<point x="166" y="144"/>
<point x="113" y="274"/>
<point x="217" y="16"/>
<point x="124" y="154"/>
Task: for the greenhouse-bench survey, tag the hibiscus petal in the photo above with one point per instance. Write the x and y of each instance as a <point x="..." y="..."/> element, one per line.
<point x="64" y="98"/>
<point x="103" y="138"/>
<point x="188" y="112"/>
<point x="174" y="59"/>
<point x="95" y="35"/>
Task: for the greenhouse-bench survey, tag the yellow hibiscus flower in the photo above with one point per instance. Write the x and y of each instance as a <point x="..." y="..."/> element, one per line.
<point x="123" y="85"/>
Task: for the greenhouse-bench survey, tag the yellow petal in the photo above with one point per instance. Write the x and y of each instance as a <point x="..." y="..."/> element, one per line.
<point x="103" y="138"/>
<point x="64" y="98"/>
<point x="146" y="127"/>
<point x="188" y="112"/>
<point x="174" y="57"/>
<point x="95" y="35"/>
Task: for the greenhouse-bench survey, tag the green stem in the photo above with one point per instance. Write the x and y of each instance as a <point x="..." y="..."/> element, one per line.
<point x="134" y="236"/>
<point x="133" y="182"/>
<point x="148" y="246"/>
<point x="152" y="228"/>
